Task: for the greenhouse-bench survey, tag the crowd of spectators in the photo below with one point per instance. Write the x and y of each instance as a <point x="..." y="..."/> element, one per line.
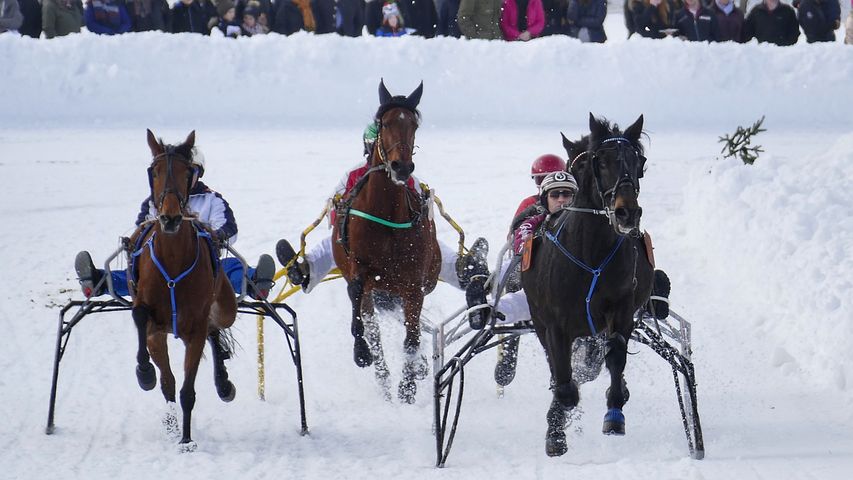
<point x="771" y="21"/>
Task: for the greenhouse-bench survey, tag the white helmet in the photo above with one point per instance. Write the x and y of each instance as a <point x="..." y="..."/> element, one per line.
<point x="198" y="160"/>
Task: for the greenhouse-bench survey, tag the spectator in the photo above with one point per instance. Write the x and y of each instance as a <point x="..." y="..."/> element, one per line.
<point x="266" y="17"/>
<point x="555" y="17"/>
<point x="448" y="25"/>
<point x="649" y="18"/>
<point x="107" y="17"/>
<point x="522" y="19"/>
<point x="189" y="16"/>
<point x="227" y="25"/>
<point x="31" y="10"/>
<point x="11" y="17"/>
<point x="772" y="21"/>
<point x="586" y="20"/>
<point x="729" y="21"/>
<point x="480" y="19"/>
<point x="209" y="9"/>
<point x="251" y="25"/>
<point x="292" y="16"/>
<point x="61" y="17"/>
<point x="695" y="22"/>
<point x="421" y="16"/>
<point x="819" y="19"/>
<point x="350" y="17"/>
<point x="148" y="15"/>
<point x="848" y="38"/>
<point x="392" y="22"/>
<point x="324" y="16"/>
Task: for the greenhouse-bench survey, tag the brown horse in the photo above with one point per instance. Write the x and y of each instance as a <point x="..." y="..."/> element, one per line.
<point x="387" y="242"/>
<point x="180" y="290"/>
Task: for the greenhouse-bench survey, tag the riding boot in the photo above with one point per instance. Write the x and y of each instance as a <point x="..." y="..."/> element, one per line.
<point x="475" y="294"/>
<point x="658" y="305"/>
<point x="88" y="275"/>
<point x="505" y="368"/>
<point x="263" y="277"/>
<point x="473" y="264"/>
<point x="298" y="273"/>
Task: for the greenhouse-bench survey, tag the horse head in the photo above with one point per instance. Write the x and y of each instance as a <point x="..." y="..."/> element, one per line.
<point x="171" y="177"/>
<point x="397" y="120"/>
<point x="608" y="165"/>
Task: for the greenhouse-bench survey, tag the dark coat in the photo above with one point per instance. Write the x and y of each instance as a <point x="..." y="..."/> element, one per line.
<point x="818" y="19"/>
<point x="192" y="18"/>
<point x="590" y="16"/>
<point x="288" y="18"/>
<point x="646" y="20"/>
<point x="156" y="19"/>
<point x="352" y="17"/>
<point x="701" y="28"/>
<point x="31" y="9"/>
<point x="729" y="26"/>
<point x="779" y="26"/>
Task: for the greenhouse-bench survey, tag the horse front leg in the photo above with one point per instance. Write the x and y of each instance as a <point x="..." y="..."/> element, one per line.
<point x="160" y="355"/>
<point x="361" y="351"/>
<point x="615" y="355"/>
<point x="145" y="374"/>
<point x="192" y="357"/>
<point x="374" y="340"/>
<point x="415" y="366"/>
<point x="565" y="390"/>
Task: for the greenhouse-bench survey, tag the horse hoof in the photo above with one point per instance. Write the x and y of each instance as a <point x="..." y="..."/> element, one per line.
<point x="146" y="376"/>
<point x="226" y="391"/>
<point x="416" y="367"/>
<point x="188" y="446"/>
<point x="555" y="444"/>
<point x="614" y="422"/>
<point x="361" y="353"/>
<point x="406" y="391"/>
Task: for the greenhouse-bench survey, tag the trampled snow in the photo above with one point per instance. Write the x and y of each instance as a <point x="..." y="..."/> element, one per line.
<point x="760" y="256"/>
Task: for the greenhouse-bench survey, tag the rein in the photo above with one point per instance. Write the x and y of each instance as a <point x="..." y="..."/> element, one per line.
<point x="596" y="272"/>
<point x="171" y="283"/>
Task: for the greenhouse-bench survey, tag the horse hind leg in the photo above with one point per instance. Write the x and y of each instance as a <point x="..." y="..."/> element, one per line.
<point x="221" y="345"/>
<point x="616" y="352"/>
<point x="145" y="374"/>
<point x="361" y="351"/>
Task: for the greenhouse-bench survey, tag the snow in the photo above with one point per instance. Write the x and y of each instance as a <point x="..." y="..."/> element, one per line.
<point x="760" y="256"/>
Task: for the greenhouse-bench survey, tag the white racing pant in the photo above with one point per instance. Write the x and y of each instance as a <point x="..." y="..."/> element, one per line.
<point x="512" y="305"/>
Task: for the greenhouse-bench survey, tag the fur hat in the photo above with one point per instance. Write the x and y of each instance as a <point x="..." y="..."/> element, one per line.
<point x="223" y="6"/>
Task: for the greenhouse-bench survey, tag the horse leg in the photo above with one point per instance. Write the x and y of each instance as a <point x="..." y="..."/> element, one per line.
<point x="221" y="351"/>
<point x="195" y="346"/>
<point x="566" y="395"/>
<point x="615" y="354"/>
<point x="374" y="340"/>
<point x="361" y="352"/>
<point x="145" y="374"/>
<point x="415" y="365"/>
<point x="160" y="355"/>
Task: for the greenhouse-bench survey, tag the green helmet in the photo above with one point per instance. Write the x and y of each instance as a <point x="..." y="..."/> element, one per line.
<point x="370" y="132"/>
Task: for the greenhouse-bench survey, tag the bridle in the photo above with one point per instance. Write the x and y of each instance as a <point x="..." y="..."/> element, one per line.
<point x="169" y="155"/>
<point x="404" y="148"/>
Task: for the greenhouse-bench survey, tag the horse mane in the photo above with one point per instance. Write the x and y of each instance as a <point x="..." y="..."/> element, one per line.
<point x="182" y="149"/>
<point x="613" y="130"/>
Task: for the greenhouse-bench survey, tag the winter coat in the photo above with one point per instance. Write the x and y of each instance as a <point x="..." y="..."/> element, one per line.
<point x="229" y="29"/>
<point x="61" y="17"/>
<point x="555" y="17"/>
<point x="350" y="17"/>
<point x="289" y="18"/>
<point x="779" y="26"/>
<point x="480" y="19"/>
<point x="818" y="19"/>
<point x="699" y="28"/>
<point x="211" y="208"/>
<point x="31" y="10"/>
<point x="729" y="26"/>
<point x="107" y="17"/>
<point x="190" y="18"/>
<point x="648" y="20"/>
<point x="590" y="16"/>
<point x="10" y="16"/>
<point x="509" y="19"/>
<point x="148" y="15"/>
<point x="324" y="16"/>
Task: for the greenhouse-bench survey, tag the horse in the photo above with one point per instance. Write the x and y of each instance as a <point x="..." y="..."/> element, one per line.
<point x="180" y="289"/>
<point x="386" y="241"/>
<point x="588" y="273"/>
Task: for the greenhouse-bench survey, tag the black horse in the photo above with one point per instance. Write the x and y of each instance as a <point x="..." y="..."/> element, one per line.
<point x="589" y="272"/>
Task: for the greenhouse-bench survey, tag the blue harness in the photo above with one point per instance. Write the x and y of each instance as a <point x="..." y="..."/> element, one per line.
<point x="172" y="282"/>
<point x="596" y="272"/>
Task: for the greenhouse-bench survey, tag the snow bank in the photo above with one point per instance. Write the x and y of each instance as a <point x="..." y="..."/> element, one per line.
<point x="326" y="80"/>
<point x="778" y="238"/>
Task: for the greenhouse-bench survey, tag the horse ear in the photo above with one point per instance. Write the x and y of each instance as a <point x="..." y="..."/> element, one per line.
<point x="596" y="129"/>
<point x="415" y="97"/>
<point x="633" y="132"/>
<point x="568" y="145"/>
<point x="384" y="94"/>
<point x="190" y="141"/>
<point x="154" y="144"/>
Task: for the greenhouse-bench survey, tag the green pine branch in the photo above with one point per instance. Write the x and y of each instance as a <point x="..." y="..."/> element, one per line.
<point x="740" y="145"/>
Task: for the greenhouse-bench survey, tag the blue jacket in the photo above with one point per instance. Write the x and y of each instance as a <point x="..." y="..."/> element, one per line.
<point x="702" y="28"/>
<point x="589" y="16"/>
<point x="107" y="17"/>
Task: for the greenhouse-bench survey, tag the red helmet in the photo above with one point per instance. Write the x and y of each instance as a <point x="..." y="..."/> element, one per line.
<point x="544" y="165"/>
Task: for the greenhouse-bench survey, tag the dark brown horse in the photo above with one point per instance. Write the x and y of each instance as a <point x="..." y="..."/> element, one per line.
<point x="589" y="272"/>
<point x="390" y="245"/>
<point x="179" y="290"/>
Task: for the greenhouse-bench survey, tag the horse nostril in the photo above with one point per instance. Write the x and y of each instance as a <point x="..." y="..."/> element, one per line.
<point x="395" y="165"/>
<point x="622" y="213"/>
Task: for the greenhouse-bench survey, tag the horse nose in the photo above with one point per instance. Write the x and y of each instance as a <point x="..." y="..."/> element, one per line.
<point x="170" y="223"/>
<point x="403" y="170"/>
<point x="629" y="217"/>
